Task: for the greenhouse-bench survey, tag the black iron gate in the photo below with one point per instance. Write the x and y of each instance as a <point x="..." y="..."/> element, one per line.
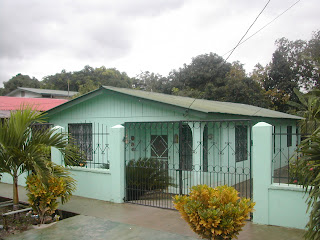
<point x="167" y="158"/>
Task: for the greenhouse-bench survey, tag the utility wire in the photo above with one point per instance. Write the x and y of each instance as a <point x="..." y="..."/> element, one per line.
<point x="238" y="43"/>
<point x="265" y="26"/>
<point x="247" y="30"/>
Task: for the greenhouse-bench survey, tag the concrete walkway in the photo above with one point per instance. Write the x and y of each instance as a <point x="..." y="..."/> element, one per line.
<point x="129" y="221"/>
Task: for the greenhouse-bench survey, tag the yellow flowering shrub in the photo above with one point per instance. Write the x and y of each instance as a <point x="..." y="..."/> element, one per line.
<point x="43" y="198"/>
<point x="214" y="213"/>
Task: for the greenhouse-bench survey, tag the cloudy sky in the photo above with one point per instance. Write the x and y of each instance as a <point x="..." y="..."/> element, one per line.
<point x="42" y="37"/>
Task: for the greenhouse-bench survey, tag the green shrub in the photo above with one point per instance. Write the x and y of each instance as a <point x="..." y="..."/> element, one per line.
<point x="308" y="167"/>
<point x="43" y="195"/>
<point x="214" y="213"/>
<point x="144" y="175"/>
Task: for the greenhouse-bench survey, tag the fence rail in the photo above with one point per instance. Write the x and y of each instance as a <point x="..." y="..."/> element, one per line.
<point x="286" y="141"/>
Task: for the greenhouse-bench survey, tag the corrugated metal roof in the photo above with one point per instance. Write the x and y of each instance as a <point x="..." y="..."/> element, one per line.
<point x="45" y="91"/>
<point x="205" y="106"/>
<point x="40" y="104"/>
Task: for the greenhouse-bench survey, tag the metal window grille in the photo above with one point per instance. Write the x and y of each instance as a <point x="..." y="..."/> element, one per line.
<point x="186" y="147"/>
<point x="81" y="134"/>
<point x="92" y="141"/>
<point x="289" y="136"/>
<point x="205" y="148"/>
<point x="241" y="140"/>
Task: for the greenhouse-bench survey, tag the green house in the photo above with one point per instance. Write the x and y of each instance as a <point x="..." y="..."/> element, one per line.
<point x="180" y="140"/>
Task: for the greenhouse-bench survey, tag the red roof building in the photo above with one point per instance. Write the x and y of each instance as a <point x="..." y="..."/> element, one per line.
<point x="8" y="104"/>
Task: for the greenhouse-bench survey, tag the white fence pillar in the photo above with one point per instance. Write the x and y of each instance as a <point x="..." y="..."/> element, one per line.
<point x="261" y="170"/>
<point x="117" y="165"/>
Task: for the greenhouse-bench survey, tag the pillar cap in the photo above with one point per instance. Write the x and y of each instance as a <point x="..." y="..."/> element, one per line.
<point x="118" y="126"/>
<point x="262" y="124"/>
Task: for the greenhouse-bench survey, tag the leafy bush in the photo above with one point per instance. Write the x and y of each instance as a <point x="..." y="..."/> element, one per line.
<point x="214" y="213"/>
<point x="43" y="196"/>
<point x="146" y="174"/>
<point x="76" y="157"/>
<point x="309" y="176"/>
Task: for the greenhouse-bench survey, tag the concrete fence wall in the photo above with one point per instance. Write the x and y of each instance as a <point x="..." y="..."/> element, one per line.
<point x="102" y="184"/>
<point x="7" y="178"/>
<point x="276" y="204"/>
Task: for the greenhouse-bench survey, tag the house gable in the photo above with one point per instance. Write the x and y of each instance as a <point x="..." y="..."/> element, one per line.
<point x="114" y="108"/>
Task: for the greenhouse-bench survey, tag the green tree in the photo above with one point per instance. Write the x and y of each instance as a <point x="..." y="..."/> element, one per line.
<point x="238" y="88"/>
<point x="275" y="81"/>
<point x="152" y="82"/>
<point x="204" y="69"/>
<point x="60" y="81"/>
<point x="85" y="88"/>
<point x="295" y="64"/>
<point x="19" y="80"/>
<point x="280" y="76"/>
<point x="24" y="149"/>
<point x="87" y="79"/>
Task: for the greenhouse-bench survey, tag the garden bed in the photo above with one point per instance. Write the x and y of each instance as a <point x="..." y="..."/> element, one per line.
<point x="23" y="220"/>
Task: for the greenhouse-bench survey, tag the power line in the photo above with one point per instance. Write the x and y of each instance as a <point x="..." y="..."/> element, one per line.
<point x="247" y="30"/>
<point x="265" y="26"/>
<point x="238" y="43"/>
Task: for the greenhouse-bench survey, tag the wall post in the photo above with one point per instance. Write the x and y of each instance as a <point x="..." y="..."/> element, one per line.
<point x="261" y="170"/>
<point x="116" y="156"/>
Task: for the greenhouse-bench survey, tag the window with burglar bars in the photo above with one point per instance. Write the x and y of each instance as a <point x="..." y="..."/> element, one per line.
<point x="241" y="141"/>
<point x="186" y="148"/>
<point x="159" y="147"/>
<point x="81" y="134"/>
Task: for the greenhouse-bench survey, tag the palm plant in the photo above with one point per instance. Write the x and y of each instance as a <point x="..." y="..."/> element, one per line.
<point x="309" y="109"/>
<point x="22" y="148"/>
<point x="309" y="177"/>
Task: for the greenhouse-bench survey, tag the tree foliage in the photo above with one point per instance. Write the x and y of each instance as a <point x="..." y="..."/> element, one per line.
<point x="19" y="80"/>
<point x="209" y="77"/>
<point x="24" y="149"/>
<point x="87" y="79"/>
<point x="152" y="82"/>
<point x="204" y="69"/>
<point x="303" y="58"/>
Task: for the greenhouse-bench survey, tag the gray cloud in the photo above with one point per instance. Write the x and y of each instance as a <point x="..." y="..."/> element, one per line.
<point x="85" y="29"/>
<point x="70" y="34"/>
